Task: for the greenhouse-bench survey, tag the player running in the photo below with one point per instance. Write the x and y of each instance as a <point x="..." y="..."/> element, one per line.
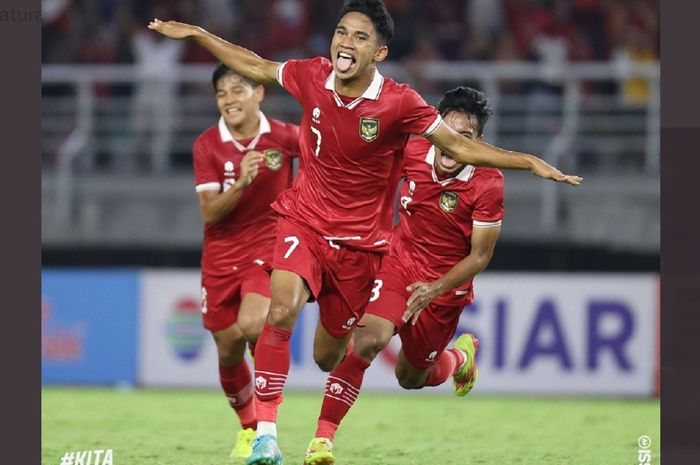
<point x="450" y="218"/>
<point x="336" y="220"/>
<point x="240" y="166"/>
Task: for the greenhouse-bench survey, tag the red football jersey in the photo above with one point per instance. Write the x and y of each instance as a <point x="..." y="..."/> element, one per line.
<point x="247" y="234"/>
<point x="350" y="153"/>
<point x="436" y="217"/>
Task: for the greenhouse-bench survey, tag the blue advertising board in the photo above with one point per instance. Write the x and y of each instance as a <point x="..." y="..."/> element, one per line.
<point x="89" y="326"/>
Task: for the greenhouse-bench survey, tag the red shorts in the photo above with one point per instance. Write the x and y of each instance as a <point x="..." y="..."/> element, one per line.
<point x="340" y="279"/>
<point x="222" y="295"/>
<point x="436" y="325"/>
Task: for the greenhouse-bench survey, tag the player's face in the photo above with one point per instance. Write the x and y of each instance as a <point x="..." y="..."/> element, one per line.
<point x="355" y="47"/>
<point x="464" y="124"/>
<point x="237" y="100"/>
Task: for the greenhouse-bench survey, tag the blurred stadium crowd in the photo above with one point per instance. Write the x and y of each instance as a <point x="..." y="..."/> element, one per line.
<point x="113" y="31"/>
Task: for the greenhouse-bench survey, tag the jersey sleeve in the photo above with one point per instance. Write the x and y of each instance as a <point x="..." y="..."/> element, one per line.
<point x="293" y="73"/>
<point x="488" y="209"/>
<point x="416" y="116"/>
<point x="205" y="175"/>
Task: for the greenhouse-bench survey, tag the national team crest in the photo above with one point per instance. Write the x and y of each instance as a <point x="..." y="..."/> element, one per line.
<point x="273" y="159"/>
<point x="448" y="201"/>
<point x="369" y="128"/>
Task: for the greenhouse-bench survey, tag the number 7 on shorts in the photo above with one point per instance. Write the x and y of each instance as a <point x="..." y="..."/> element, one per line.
<point x="295" y="242"/>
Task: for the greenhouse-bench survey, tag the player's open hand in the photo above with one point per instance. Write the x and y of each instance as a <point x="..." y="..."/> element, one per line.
<point x="172" y="29"/>
<point x="250" y="165"/>
<point x="547" y="171"/>
<point x="423" y="294"/>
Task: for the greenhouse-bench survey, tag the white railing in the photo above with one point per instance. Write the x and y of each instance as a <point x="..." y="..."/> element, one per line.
<point x="564" y="124"/>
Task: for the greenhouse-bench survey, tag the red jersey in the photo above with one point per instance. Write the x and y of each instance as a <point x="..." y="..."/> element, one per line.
<point x="436" y="217"/>
<point x="350" y="153"/>
<point x="247" y="234"/>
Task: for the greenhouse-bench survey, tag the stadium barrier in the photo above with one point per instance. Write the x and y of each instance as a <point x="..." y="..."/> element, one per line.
<point x="562" y="334"/>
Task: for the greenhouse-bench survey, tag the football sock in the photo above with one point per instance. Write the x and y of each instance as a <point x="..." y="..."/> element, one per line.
<point x="271" y="369"/>
<point x="445" y="366"/>
<point x="237" y="384"/>
<point x="342" y="388"/>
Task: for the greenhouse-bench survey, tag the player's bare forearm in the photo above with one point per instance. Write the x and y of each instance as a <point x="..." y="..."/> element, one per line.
<point x="479" y="153"/>
<point x="483" y="244"/>
<point x="214" y="206"/>
<point x="241" y="60"/>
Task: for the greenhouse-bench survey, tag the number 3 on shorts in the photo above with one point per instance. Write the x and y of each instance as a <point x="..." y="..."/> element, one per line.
<point x="378" y="283"/>
<point x="295" y="242"/>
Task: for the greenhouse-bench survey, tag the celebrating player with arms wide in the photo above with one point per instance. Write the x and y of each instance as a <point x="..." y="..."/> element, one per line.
<point x="336" y="220"/>
<point x="450" y="218"/>
<point x="240" y="166"/>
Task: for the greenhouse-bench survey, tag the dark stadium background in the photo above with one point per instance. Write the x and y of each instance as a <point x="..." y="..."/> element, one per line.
<point x="614" y="146"/>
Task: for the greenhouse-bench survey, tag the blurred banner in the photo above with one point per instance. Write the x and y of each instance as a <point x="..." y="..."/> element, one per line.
<point x="89" y="326"/>
<point x="582" y="334"/>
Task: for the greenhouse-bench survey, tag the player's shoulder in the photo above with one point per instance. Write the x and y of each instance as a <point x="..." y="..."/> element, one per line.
<point x="314" y="64"/>
<point x="208" y="136"/>
<point x="417" y="148"/>
<point x="277" y="126"/>
<point x="393" y="88"/>
<point x="492" y="176"/>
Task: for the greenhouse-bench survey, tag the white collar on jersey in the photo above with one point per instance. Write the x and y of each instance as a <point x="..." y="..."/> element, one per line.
<point x="464" y="175"/>
<point x="372" y="93"/>
<point x="226" y="136"/>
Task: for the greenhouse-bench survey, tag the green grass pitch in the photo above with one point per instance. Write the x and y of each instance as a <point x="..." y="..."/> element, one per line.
<point x="175" y="427"/>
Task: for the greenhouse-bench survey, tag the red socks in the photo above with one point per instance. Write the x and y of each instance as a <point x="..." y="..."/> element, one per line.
<point x="271" y="368"/>
<point x="237" y="384"/>
<point x="445" y="366"/>
<point x="342" y="389"/>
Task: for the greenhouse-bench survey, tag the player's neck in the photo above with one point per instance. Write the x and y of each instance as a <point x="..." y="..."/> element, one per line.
<point x="246" y="130"/>
<point x="354" y="87"/>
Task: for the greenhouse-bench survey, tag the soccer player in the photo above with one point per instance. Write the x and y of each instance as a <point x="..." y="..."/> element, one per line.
<point x="240" y="166"/>
<point x="336" y="220"/>
<point x="450" y="218"/>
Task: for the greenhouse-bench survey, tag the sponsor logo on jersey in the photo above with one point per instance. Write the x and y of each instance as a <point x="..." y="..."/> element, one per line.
<point x="273" y="159"/>
<point x="349" y="323"/>
<point x="448" y="201"/>
<point x="369" y="128"/>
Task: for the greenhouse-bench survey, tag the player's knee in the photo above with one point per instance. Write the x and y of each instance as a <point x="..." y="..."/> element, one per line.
<point x="326" y="360"/>
<point x="251" y="326"/>
<point x="280" y="315"/>
<point x="368" y="344"/>
<point x="408" y="382"/>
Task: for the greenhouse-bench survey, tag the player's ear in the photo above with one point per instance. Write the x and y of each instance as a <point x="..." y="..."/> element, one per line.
<point x="381" y="53"/>
<point x="259" y="93"/>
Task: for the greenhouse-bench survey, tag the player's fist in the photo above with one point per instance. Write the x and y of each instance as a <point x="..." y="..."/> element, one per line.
<point x="250" y="165"/>
<point x="545" y="170"/>
<point x="172" y="29"/>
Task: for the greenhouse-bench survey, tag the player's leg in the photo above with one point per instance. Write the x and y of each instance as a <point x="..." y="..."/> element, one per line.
<point x="237" y="383"/>
<point x="424" y="361"/>
<point x="272" y="360"/>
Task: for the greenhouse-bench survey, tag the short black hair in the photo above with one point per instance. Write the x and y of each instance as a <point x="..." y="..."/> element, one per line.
<point x="221" y="71"/>
<point x="469" y="101"/>
<point x="376" y="11"/>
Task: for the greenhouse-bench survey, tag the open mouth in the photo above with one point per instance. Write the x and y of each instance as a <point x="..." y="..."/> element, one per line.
<point x="448" y="162"/>
<point x="344" y="62"/>
<point x="232" y="111"/>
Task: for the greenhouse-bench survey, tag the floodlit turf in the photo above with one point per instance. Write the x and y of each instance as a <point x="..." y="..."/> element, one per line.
<point x="156" y="427"/>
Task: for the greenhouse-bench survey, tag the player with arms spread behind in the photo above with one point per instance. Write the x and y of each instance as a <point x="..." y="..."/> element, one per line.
<point x="450" y="218"/>
<point x="335" y="222"/>
<point x="240" y="166"/>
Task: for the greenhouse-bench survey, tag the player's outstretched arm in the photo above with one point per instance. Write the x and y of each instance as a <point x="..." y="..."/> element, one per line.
<point x="242" y="61"/>
<point x="479" y="153"/>
<point x="483" y="242"/>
